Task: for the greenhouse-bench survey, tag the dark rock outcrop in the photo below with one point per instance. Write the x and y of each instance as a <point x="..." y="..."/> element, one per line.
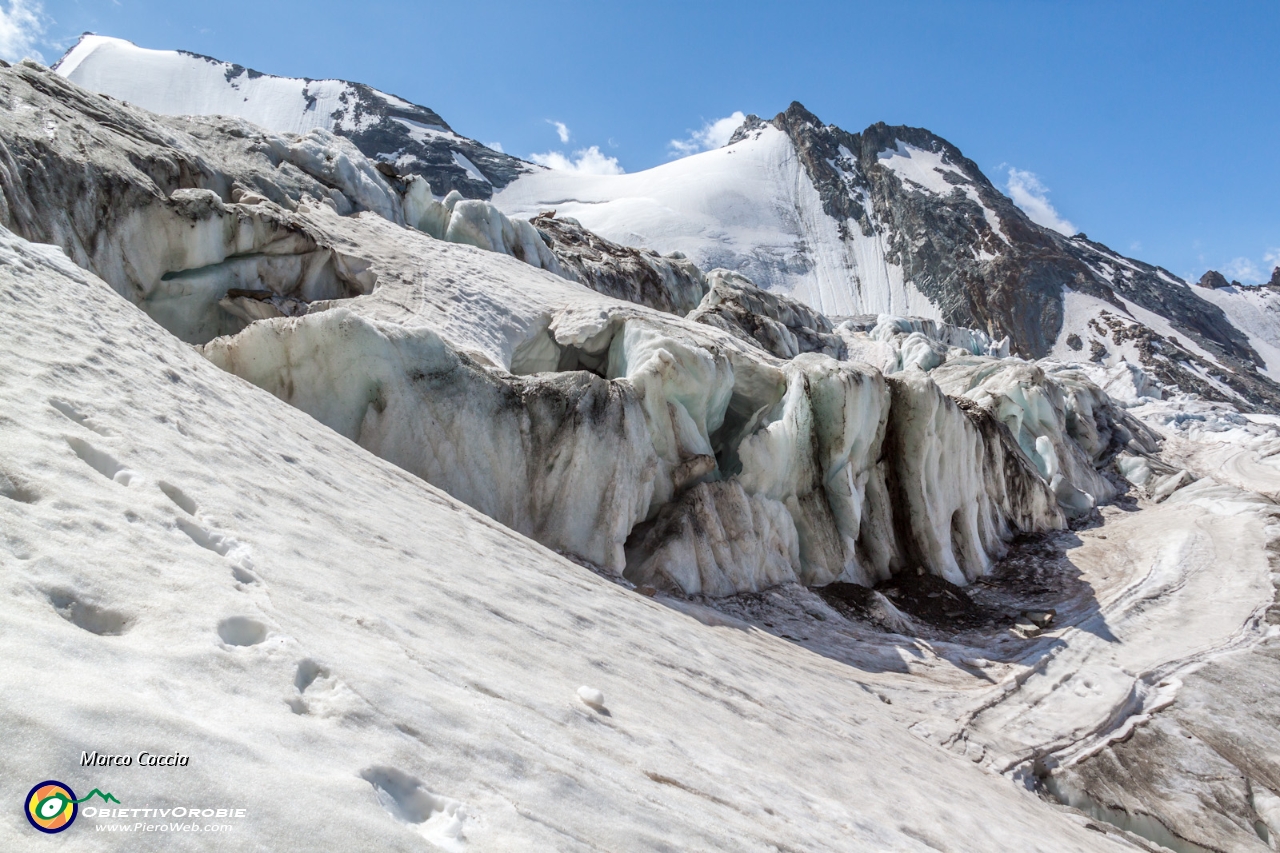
<point x="780" y="325"/>
<point x="940" y="242"/>
<point x="1213" y="280"/>
<point x="1003" y="274"/>
<point x="668" y="283"/>
<point x="383" y="131"/>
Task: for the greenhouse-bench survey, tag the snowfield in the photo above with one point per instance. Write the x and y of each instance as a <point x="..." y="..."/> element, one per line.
<point x="169" y="82"/>
<point x="362" y="662"/>
<point x="748" y="207"/>
<point x="421" y="521"/>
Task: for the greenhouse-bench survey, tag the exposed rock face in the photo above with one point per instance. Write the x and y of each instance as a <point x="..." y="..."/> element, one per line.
<point x="1162" y="293"/>
<point x="985" y="265"/>
<point x="672" y="283"/>
<point x="1275" y="278"/>
<point x="1213" y="280"/>
<point x="385" y="131"/>
<point x="780" y="325"/>
<point x="1003" y="275"/>
<point x="995" y="271"/>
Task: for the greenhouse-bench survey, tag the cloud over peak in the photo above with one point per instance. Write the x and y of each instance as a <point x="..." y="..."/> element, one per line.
<point x="713" y="134"/>
<point x="562" y="130"/>
<point x="584" y="161"/>
<point x="1032" y="196"/>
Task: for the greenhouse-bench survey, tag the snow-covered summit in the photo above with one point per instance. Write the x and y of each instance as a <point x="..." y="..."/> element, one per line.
<point x="897" y="219"/>
<point x="411" y="138"/>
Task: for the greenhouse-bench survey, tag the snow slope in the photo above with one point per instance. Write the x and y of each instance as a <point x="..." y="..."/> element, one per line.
<point x="414" y="139"/>
<point x="749" y="207"/>
<point x="1256" y="312"/>
<point x="171" y="82"/>
<point x="361" y="662"/>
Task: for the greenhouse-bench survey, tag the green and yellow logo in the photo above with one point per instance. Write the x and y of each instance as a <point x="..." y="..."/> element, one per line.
<point x="52" y="806"/>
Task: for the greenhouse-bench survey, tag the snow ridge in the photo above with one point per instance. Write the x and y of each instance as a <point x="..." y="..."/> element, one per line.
<point x="415" y="139"/>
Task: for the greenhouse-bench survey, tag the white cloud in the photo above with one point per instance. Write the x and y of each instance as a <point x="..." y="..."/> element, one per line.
<point x="21" y="28"/>
<point x="585" y="161"/>
<point x="1272" y="258"/>
<point x="1033" y="197"/>
<point x="1244" y="271"/>
<point x="562" y="130"/>
<point x="496" y="146"/>
<point x="714" y="134"/>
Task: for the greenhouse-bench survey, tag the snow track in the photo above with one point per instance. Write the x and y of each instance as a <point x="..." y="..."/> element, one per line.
<point x="1165" y="606"/>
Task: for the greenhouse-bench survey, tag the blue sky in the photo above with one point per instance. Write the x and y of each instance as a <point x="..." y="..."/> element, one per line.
<point x="1152" y="126"/>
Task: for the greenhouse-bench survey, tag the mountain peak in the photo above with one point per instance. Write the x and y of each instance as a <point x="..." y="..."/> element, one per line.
<point x="414" y="139"/>
<point x="797" y="112"/>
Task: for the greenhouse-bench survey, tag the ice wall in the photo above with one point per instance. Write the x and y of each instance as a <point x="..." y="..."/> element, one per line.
<point x="728" y="451"/>
<point x="475" y="223"/>
<point x="681" y="460"/>
<point x="559" y="245"/>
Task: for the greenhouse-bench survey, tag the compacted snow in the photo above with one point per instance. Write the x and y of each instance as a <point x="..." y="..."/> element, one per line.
<point x="1256" y="312"/>
<point x="174" y="83"/>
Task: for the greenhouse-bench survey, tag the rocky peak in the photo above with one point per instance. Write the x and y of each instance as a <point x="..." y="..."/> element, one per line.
<point x="750" y="125"/>
<point x="1214" y="280"/>
<point x="971" y="250"/>
<point x="967" y="248"/>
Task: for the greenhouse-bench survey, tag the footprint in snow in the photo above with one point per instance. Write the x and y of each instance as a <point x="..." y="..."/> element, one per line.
<point x="322" y="694"/>
<point x="87" y="615"/>
<point x="242" y="631"/>
<point x="102" y="462"/>
<point x="236" y="553"/>
<point x="15" y="489"/>
<point x="308" y="673"/>
<point x="179" y="498"/>
<point x="440" y="819"/>
<point x="74" y="415"/>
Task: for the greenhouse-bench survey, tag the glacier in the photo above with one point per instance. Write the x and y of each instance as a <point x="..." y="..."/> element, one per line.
<point x="414" y="481"/>
<point x="405" y="678"/>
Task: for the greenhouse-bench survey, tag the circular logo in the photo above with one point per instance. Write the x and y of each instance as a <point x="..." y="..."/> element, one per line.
<point x="51" y="806"/>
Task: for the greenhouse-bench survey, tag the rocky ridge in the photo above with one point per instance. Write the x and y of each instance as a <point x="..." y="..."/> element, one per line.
<point x="1005" y="275"/>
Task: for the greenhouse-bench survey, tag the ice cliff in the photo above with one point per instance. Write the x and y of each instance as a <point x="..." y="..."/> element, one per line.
<point x="727" y="451"/>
